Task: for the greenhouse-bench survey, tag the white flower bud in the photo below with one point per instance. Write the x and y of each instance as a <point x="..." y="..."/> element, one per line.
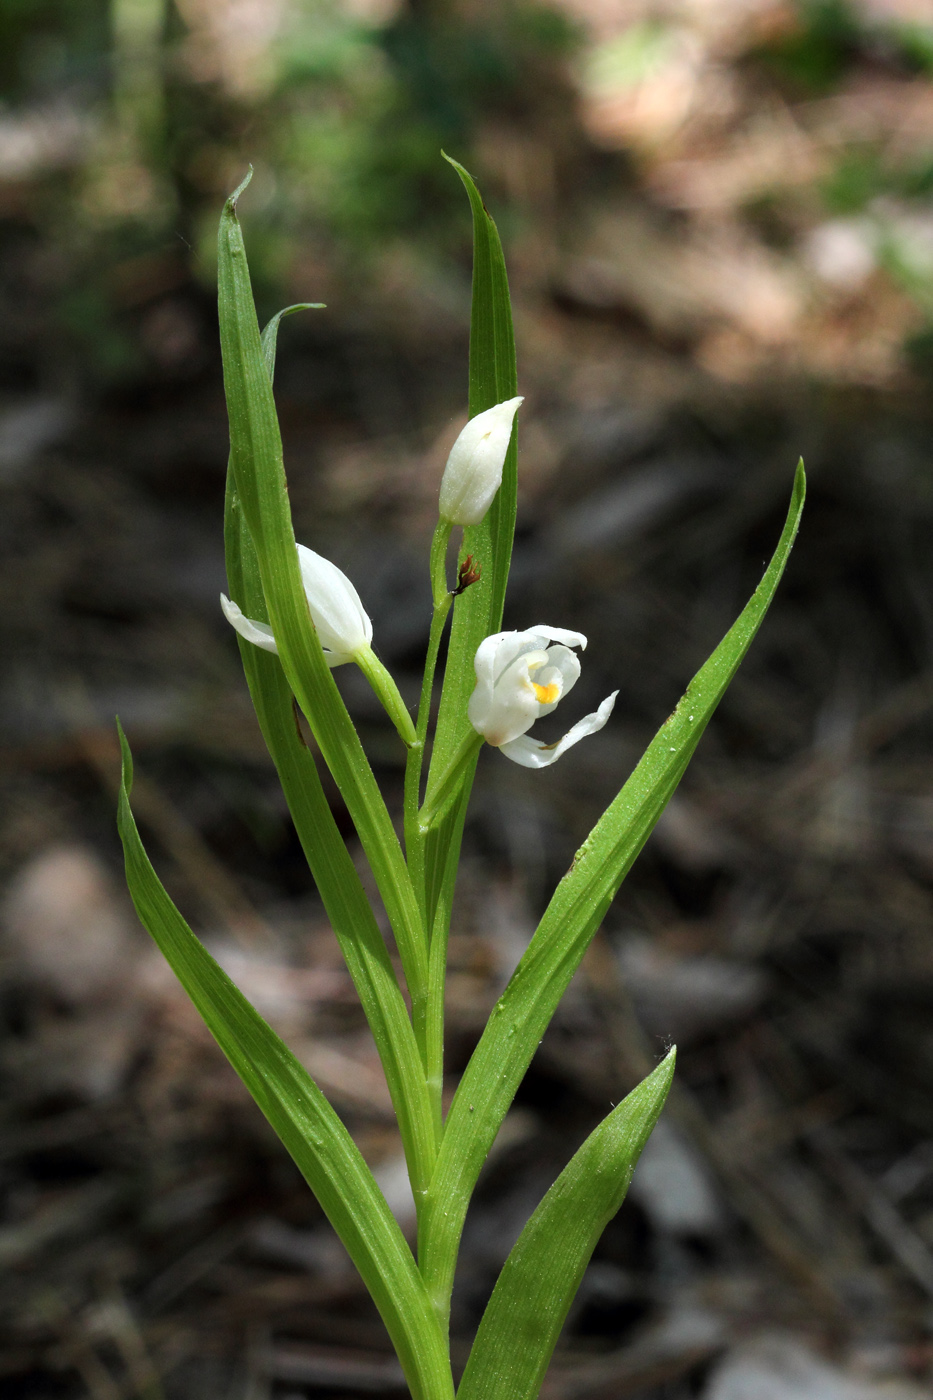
<point x="473" y="473"/>
<point x="342" y="623"/>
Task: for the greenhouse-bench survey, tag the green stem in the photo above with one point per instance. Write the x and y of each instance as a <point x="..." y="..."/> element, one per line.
<point x="382" y="683"/>
<point x="434" y="1030"/>
<point x="414" y="839"/>
<point x="438" y="563"/>
<point x="437" y="975"/>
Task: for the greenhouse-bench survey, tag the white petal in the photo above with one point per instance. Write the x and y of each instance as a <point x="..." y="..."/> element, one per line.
<point x="259" y="633"/>
<point x="559" y="634"/>
<point x="495" y="654"/>
<point x="480" y="703"/>
<point x="563" y="667"/>
<point x="528" y="753"/>
<point x="342" y="623"/>
<point x="513" y="706"/>
<point x="486" y="702"/>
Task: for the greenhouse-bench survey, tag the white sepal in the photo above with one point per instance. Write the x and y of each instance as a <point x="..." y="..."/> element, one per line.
<point x="259" y="633"/>
<point x="528" y="753"/>
<point x="473" y="473"/>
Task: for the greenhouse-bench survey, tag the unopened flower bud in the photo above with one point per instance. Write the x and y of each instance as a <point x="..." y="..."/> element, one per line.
<point x="473" y="473"/>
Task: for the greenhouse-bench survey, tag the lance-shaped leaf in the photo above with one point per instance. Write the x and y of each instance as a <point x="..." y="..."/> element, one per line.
<point x="541" y="1276"/>
<point x="568" y="925"/>
<point x="493" y="379"/>
<point x="332" y="867"/>
<point x="478" y="612"/>
<point x="321" y="1147"/>
<point x="330" y="862"/>
<point x="270" y="336"/>
<point x="259" y="473"/>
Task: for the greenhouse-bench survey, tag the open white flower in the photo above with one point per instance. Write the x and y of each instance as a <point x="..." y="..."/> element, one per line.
<point x="519" y="677"/>
<point x="342" y="623"/>
<point x="473" y="473"/>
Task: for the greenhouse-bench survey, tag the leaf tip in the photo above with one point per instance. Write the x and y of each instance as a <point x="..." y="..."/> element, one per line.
<point x="469" y="183"/>
<point x="231" y="202"/>
<point x="657" y="1084"/>
<point x="126" y="762"/>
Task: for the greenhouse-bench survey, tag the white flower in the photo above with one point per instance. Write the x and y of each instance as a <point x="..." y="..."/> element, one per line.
<point x="518" y="678"/>
<point x="342" y="622"/>
<point x="473" y="473"/>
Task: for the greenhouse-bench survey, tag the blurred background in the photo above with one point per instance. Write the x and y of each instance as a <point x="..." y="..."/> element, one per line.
<point x="718" y="220"/>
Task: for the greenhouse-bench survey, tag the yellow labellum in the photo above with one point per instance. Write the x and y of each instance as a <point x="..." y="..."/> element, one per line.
<point x="546" y="694"/>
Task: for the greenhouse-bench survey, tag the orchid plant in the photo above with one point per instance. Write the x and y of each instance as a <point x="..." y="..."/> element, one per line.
<point x="298" y="617"/>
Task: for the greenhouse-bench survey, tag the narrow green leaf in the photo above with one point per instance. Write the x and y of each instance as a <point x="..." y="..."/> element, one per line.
<point x="270" y="335"/>
<point x="541" y="1276"/>
<point x="568" y="925"/>
<point x="478" y="613"/>
<point x="256" y="457"/>
<point x="493" y="378"/>
<point x="319" y="1143"/>
<point x="331" y="865"/>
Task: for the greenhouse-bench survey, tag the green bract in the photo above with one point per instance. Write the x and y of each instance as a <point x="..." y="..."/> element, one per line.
<point x="288" y="667"/>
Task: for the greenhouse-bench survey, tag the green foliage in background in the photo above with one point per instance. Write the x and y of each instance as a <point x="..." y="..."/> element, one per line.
<point x="348" y="113"/>
<point x="341" y="109"/>
<point x="832" y="35"/>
